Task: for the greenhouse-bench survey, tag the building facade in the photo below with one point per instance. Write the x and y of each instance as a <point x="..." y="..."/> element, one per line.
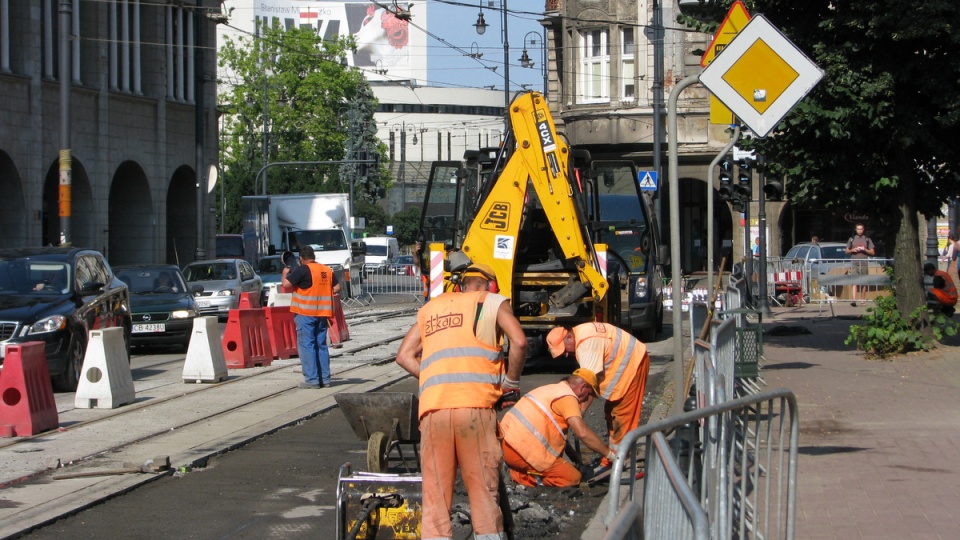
<point x="131" y="126"/>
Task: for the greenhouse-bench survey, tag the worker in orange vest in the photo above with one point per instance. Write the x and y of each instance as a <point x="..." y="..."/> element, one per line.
<point x="944" y="290"/>
<point x="621" y="363"/>
<point x="314" y="285"/>
<point x="535" y="432"/>
<point x="454" y="349"/>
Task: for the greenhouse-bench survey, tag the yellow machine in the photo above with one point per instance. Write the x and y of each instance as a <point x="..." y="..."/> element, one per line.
<point x="521" y="209"/>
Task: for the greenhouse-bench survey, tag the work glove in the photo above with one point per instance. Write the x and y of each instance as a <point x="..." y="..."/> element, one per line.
<point x="508" y="399"/>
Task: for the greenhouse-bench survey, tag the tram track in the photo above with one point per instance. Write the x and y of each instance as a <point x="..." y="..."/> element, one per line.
<point x="160" y="395"/>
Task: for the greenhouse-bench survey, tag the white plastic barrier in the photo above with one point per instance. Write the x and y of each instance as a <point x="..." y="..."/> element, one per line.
<point x="105" y="380"/>
<point x="205" y="361"/>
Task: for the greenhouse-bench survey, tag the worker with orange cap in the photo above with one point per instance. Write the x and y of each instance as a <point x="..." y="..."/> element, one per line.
<point x="621" y="364"/>
<point x="454" y="349"/>
<point x="535" y="431"/>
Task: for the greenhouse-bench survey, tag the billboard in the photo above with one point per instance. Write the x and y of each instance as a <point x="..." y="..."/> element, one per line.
<point x="388" y="47"/>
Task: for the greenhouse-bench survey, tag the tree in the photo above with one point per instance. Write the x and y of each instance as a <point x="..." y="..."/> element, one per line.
<point x="375" y="216"/>
<point x="880" y="130"/>
<point x="405" y="225"/>
<point x="292" y="89"/>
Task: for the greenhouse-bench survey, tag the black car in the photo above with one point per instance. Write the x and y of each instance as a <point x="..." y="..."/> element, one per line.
<point x="57" y="295"/>
<point x="163" y="307"/>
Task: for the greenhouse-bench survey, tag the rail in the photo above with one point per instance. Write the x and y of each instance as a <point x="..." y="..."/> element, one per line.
<point x="739" y="481"/>
<point x="832" y="280"/>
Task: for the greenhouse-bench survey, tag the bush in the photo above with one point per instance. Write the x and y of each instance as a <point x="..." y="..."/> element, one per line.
<point x="885" y="333"/>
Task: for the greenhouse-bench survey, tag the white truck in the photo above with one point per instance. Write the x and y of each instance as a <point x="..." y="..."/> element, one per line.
<point x="285" y="222"/>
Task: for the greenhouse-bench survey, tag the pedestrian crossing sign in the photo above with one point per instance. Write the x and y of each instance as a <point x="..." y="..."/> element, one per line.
<point x="647" y="180"/>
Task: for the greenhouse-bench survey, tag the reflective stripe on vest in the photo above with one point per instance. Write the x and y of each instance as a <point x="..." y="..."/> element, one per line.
<point x="458" y="370"/>
<point x="533" y="430"/>
<point x="317" y="301"/>
<point x="459" y="352"/>
<point x="616" y="364"/>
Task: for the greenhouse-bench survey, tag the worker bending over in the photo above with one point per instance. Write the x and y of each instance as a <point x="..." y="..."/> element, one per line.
<point x="621" y="364"/>
<point x="535" y="431"/>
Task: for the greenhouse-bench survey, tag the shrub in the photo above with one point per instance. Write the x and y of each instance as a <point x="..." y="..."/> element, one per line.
<point x="885" y="333"/>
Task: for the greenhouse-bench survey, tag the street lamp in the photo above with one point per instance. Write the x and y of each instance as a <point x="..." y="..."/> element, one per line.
<point x="481" y="26"/>
<point x="525" y="60"/>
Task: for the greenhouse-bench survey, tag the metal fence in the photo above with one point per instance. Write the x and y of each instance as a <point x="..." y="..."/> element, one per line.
<point x="832" y="280"/>
<point x="394" y="279"/>
<point x="737" y="481"/>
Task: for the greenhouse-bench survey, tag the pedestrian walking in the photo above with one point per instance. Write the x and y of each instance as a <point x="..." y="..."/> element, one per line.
<point x="859" y="247"/>
<point x="454" y="350"/>
<point x="314" y="285"/>
<point x="535" y="432"/>
<point x="621" y="364"/>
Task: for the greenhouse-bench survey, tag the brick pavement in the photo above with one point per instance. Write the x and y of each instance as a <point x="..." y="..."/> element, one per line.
<point x="879" y="440"/>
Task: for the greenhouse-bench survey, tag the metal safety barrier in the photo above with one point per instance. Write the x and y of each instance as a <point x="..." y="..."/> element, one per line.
<point x="740" y="483"/>
<point x="395" y="279"/>
<point x="831" y="280"/>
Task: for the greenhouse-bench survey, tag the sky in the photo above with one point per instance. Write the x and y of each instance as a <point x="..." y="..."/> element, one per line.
<point x="453" y="23"/>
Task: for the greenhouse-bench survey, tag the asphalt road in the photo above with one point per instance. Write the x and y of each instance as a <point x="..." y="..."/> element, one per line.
<point x="284" y="485"/>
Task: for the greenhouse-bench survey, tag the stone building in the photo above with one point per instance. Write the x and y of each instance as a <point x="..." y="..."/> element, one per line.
<point x="132" y="130"/>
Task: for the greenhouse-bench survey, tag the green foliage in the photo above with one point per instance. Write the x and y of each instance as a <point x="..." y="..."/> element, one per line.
<point x="405" y="225"/>
<point x="294" y="86"/>
<point x="374" y="215"/>
<point x="885" y="333"/>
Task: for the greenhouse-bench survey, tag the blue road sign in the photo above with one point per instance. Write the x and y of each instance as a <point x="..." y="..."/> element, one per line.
<point x="647" y="180"/>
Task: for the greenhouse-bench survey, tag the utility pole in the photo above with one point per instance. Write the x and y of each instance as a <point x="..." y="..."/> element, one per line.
<point x="200" y="252"/>
<point x="65" y="195"/>
<point x="658" y="76"/>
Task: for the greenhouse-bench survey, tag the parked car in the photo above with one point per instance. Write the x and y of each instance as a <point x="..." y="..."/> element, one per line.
<point x="269" y="269"/>
<point x="818" y="257"/>
<point x="221" y="282"/>
<point x="57" y="295"/>
<point x="162" y="306"/>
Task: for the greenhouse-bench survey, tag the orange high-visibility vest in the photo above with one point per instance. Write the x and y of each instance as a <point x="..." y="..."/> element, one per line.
<point x="457" y="369"/>
<point x="948" y="294"/>
<point x="317" y="301"/>
<point x="622" y="356"/>
<point x="534" y="429"/>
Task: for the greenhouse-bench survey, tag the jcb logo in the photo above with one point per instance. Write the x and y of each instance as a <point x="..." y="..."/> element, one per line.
<point x="497" y="217"/>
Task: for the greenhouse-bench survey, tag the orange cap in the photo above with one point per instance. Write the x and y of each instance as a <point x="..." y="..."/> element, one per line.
<point x="555" y="341"/>
<point x="590" y="377"/>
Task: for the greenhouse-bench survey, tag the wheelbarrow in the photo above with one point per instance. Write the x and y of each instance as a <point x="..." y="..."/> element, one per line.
<point x="386" y="420"/>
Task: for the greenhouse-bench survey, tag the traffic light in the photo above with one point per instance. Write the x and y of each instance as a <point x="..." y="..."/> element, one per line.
<point x="726" y="181"/>
<point x="745" y="180"/>
<point x="773" y="190"/>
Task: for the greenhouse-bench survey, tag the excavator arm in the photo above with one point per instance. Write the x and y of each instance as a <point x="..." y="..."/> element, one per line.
<point x="540" y="159"/>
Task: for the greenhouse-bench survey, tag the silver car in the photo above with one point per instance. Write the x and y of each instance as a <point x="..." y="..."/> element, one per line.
<point x="222" y="281"/>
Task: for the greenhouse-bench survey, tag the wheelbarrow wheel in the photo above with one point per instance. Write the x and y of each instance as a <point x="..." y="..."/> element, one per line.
<point x="377" y="452"/>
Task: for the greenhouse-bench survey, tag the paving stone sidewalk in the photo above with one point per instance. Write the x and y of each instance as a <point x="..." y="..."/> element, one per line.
<point x="879" y="440"/>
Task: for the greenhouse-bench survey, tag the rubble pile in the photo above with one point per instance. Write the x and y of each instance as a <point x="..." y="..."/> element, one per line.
<point x="542" y="512"/>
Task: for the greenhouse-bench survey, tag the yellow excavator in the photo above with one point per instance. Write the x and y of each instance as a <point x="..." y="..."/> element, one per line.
<point x="522" y="210"/>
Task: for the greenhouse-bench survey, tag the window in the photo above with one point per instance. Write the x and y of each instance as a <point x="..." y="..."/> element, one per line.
<point x="628" y="85"/>
<point x="594" y="67"/>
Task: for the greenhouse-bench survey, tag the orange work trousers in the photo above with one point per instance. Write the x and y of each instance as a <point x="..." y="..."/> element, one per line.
<point x="623" y="415"/>
<point x="561" y="474"/>
<point x="466" y="438"/>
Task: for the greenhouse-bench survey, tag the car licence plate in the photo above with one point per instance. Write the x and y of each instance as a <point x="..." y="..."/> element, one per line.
<point x="149" y="328"/>
<point x="203" y="303"/>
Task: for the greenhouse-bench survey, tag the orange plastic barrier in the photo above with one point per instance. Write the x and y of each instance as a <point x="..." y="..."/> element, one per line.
<point x="246" y="342"/>
<point x="27" y="406"/>
<point x="338" y="324"/>
<point x="282" y="330"/>
<point x="249" y="300"/>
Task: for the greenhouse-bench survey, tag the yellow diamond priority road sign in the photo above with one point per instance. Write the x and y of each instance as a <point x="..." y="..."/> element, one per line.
<point x="760" y="76"/>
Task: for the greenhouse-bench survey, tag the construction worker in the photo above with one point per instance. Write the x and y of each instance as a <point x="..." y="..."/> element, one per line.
<point x="621" y="363"/>
<point x="535" y="432"/>
<point x="944" y="290"/>
<point x="314" y="285"/>
<point x="454" y="349"/>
